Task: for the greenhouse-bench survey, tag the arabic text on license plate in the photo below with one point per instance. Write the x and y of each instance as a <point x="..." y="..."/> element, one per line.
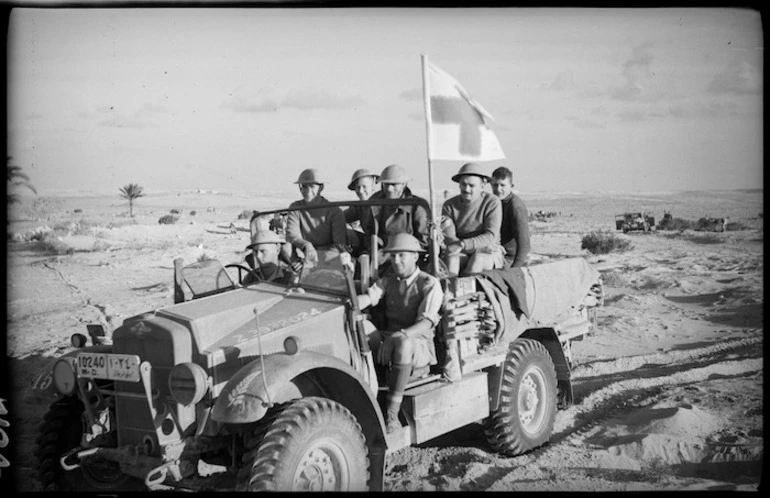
<point x="123" y="367"/>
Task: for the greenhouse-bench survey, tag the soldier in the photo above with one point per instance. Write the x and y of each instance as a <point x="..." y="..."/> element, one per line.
<point x="471" y="225"/>
<point x="265" y="246"/>
<point x="412" y="299"/>
<point x="319" y="233"/>
<point x="386" y="221"/>
<point x="362" y="183"/>
<point x="514" y="231"/>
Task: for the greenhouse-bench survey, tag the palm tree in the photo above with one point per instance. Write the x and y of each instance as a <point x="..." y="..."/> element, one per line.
<point x="130" y="192"/>
<point x="16" y="177"/>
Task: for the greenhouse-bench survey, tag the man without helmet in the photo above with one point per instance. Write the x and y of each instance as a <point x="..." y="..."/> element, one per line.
<point x="412" y="300"/>
<point x="514" y="231"/>
<point x="471" y="224"/>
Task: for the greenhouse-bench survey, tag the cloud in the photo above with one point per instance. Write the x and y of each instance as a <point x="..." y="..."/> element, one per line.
<point x="691" y="110"/>
<point x="584" y="123"/>
<point x="239" y="104"/>
<point x="563" y="81"/>
<point x="414" y="94"/>
<point x="319" y="99"/>
<point x="639" y="84"/>
<point x="739" y="77"/>
<point x="302" y="100"/>
<point x="139" y="118"/>
<point x="633" y="116"/>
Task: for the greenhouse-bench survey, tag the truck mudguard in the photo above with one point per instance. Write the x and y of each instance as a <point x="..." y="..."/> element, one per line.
<point x="42" y="389"/>
<point x="548" y="338"/>
<point x="249" y="393"/>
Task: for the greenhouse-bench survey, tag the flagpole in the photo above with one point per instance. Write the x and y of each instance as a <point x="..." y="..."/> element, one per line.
<point x="429" y="150"/>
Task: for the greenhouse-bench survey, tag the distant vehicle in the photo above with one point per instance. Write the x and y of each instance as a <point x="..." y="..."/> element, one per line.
<point x="634" y="221"/>
<point x="711" y="225"/>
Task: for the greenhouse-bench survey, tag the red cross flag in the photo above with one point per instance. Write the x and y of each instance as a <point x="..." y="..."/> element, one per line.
<point x="457" y="124"/>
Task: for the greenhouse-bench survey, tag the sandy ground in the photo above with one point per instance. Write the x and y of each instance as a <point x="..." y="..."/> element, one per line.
<point x="668" y="391"/>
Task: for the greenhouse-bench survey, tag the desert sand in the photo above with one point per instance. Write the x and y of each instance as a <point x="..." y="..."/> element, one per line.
<point x="668" y="390"/>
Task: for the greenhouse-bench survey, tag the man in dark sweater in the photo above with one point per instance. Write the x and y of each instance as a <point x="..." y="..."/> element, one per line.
<point x="514" y="231"/>
<point x="471" y="224"/>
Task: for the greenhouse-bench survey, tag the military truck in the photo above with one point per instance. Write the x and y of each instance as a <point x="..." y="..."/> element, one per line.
<point x="272" y="387"/>
<point x="637" y="221"/>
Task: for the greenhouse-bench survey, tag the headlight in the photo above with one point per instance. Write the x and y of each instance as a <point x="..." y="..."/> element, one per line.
<point x="64" y="376"/>
<point x="291" y="345"/>
<point x="78" y="340"/>
<point x="188" y="383"/>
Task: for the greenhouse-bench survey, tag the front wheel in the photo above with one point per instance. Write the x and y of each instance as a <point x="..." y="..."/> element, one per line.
<point x="528" y="396"/>
<point x="60" y="432"/>
<point x="312" y="444"/>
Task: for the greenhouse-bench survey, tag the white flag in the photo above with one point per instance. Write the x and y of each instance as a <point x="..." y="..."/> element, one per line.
<point x="458" y="124"/>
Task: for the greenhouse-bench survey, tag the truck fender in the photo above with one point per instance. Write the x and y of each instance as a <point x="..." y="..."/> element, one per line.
<point x="248" y="394"/>
<point x="245" y="398"/>
<point x="42" y="390"/>
<point x="550" y="339"/>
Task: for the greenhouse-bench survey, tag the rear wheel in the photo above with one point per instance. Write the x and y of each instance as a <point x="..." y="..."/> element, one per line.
<point x="527" y="410"/>
<point x="312" y="444"/>
<point x="60" y="432"/>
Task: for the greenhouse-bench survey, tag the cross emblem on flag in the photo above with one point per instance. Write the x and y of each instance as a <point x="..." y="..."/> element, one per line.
<point x="458" y="124"/>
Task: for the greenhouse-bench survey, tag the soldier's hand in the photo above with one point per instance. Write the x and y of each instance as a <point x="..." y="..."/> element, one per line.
<point x="454" y="248"/>
<point x="385" y="353"/>
<point x="311" y="255"/>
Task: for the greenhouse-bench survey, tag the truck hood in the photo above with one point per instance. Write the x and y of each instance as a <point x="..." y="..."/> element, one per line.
<point x="233" y="317"/>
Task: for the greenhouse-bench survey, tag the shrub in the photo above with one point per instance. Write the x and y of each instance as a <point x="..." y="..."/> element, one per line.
<point x="604" y="242"/>
<point x="168" y="219"/>
<point x="193" y="213"/>
<point x="676" y="224"/>
<point x="174" y="211"/>
<point x="734" y="226"/>
<point x="78" y="211"/>
<point x="53" y="243"/>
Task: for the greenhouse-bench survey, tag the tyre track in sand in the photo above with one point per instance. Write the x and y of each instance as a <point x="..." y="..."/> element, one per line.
<point x="640" y="387"/>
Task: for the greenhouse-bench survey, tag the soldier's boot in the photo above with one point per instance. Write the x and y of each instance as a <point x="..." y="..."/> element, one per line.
<point x="397" y="378"/>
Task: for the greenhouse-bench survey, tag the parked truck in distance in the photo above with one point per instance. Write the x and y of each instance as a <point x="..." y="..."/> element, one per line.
<point x="637" y="221"/>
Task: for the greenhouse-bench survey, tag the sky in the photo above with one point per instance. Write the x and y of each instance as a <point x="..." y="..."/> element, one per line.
<point x="622" y="100"/>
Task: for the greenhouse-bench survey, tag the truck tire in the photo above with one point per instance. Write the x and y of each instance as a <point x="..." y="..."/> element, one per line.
<point x="528" y="396"/>
<point x="60" y="432"/>
<point x="312" y="444"/>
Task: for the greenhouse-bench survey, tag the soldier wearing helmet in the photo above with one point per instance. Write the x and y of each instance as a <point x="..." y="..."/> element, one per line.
<point x="471" y="224"/>
<point x="319" y="233"/>
<point x="263" y="260"/>
<point x="363" y="183"/>
<point x="412" y="300"/>
<point x="386" y="221"/>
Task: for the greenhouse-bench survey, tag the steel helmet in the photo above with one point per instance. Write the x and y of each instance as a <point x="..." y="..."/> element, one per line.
<point x="471" y="169"/>
<point x="403" y="242"/>
<point x="360" y="173"/>
<point x="310" y="175"/>
<point x="265" y="237"/>
<point x="394" y="174"/>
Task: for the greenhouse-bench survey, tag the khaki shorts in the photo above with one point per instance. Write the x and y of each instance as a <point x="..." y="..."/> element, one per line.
<point x="422" y="356"/>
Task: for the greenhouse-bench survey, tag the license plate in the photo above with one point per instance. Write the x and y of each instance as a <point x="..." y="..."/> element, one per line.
<point x="123" y="367"/>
